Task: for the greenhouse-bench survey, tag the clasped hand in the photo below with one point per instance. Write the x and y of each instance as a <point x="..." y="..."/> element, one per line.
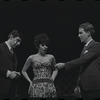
<point x="14" y="74"/>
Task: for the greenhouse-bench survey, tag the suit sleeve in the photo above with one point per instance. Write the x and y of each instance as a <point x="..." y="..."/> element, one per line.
<point x="3" y="71"/>
<point x="88" y="57"/>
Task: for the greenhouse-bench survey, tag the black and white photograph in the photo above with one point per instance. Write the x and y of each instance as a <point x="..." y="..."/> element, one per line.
<point x="49" y="49"/>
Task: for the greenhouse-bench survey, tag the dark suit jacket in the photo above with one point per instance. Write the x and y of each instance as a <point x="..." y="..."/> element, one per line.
<point x="7" y="62"/>
<point x="90" y="66"/>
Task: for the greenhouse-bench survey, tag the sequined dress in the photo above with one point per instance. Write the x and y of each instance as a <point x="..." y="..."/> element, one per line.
<point x="43" y="86"/>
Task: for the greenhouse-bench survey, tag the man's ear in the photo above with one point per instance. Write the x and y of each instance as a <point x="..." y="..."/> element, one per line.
<point x="11" y="37"/>
<point x="89" y="33"/>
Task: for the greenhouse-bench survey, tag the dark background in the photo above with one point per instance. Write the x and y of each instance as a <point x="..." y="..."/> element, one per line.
<point x="60" y="20"/>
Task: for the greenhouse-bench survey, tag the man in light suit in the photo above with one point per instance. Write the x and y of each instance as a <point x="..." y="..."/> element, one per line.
<point x="8" y="65"/>
<point x="89" y="63"/>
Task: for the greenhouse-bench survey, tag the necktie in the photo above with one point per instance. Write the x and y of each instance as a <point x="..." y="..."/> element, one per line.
<point x="83" y="50"/>
<point x="11" y="50"/>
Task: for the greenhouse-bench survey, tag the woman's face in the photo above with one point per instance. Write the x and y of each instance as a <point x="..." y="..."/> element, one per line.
<point x="43" y="48"/>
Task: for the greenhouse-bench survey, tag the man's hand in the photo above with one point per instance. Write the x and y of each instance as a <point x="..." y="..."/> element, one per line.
<point x="18" y="75"/>
<point x="14" y="74"/>
<point x="77" y="91"/>
<point x="59" y="65"/>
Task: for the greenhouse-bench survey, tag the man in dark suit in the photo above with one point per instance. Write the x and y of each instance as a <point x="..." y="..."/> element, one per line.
<point x="89" y="63"/>
<point x="8" y="65"/>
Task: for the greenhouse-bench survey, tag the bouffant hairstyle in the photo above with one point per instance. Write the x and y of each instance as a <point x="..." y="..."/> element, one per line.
<point x="41" y="39"/>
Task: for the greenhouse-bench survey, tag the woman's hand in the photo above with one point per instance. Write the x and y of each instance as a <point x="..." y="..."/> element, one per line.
<point x="29" y="87"/>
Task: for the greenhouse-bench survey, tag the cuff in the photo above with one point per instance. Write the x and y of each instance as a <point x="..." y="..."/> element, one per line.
<point x="8" y="73"/>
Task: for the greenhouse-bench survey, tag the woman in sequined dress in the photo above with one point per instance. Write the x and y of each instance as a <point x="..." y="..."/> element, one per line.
<point x="42" y="85"/>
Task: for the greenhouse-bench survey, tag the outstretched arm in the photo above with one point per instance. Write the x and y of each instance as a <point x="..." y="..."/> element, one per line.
<point x="93" y="53"/>
<point x="60" y="65"/>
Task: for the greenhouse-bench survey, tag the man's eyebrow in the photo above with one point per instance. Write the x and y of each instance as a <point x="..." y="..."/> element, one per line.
<point x="18" y="39"/>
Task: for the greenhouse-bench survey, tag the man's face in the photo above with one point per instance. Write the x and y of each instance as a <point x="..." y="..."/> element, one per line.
<point x="15" y="42"/>
<point x="83" y="35"/>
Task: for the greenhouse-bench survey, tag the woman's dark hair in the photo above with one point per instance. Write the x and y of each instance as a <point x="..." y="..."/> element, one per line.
<point x="41" y="39"/>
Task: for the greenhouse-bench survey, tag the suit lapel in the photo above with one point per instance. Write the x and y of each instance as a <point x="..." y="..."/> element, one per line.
<point x="83" y="50"/>
<point x="12" y="57"/>
<point x="7" y="49"/>
<point x="87" y="47"/>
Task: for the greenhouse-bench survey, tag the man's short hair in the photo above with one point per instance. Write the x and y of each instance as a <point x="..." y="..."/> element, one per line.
<point x="14" y="33"/>
<point x="88" y="27"/>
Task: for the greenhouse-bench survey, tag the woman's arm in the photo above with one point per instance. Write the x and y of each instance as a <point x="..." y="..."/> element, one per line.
<point x="54" y="74"/>
<point x="24" y="69"/>
<point x="55" y="71"/>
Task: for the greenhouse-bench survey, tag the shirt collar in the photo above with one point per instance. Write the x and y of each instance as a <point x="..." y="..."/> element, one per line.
<point x="88" y="42"/>
<point x="9" y="47"/>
